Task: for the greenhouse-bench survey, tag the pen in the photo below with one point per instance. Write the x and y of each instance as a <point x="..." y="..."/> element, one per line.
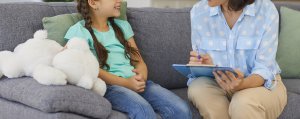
<point x="199" y="56"/>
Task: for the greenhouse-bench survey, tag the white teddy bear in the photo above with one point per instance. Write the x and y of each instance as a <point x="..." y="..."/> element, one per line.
<point x="47" y="62"/>
<point x="80" y="66"/>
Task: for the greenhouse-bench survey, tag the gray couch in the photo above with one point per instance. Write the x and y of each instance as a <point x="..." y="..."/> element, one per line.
<point x="163" y="35"/>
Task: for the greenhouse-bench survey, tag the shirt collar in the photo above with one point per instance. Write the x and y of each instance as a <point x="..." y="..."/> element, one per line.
<point x="249" y="10"/>
<point x="214" y="11"/>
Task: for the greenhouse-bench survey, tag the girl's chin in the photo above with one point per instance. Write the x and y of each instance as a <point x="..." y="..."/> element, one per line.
<point x="117" y="14"/>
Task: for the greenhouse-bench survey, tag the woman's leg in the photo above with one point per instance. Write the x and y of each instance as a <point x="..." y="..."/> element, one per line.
<point x="166" y="103"/>
<point x="209" y="98"/>
<point x="259" y="103"/>
<point x="130" y="102"/>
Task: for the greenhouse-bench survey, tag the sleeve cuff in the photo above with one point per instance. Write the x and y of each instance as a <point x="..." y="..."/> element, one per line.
<point x="269" y="78"/>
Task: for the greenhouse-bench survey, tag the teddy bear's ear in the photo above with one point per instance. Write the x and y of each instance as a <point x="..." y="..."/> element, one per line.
<point x="40" y="34"/>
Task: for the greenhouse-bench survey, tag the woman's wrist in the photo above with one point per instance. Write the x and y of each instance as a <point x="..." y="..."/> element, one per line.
<point x="242" y="85"/>
<point x="251" y="81"/>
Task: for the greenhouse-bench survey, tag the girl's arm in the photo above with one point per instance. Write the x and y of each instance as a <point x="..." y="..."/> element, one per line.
<point x="130" y="83"/>
<point x="112" y="79"/>
<point x="140" y="67"/>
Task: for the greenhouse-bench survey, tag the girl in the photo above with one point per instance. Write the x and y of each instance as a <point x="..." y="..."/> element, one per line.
<point x="121" y="65"/>
<point x="242" y="34"/>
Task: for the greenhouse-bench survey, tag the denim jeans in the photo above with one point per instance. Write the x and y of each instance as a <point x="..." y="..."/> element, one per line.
<point x="144" y="105"/>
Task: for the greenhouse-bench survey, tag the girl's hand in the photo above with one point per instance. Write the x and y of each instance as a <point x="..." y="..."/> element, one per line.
<point x="228" y="81"/>
<point x="138" y="73"/>
<point x="136" y="83"/>
<point x="205" y="59"/>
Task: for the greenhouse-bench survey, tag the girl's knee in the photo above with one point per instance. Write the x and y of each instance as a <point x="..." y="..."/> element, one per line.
<point x="143" y="111"/>
<point x="182" y="111"/>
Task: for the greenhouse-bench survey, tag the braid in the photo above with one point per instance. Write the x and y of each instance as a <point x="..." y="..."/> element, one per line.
<point x="129" y="51"/>
<point x="84" y="9"/>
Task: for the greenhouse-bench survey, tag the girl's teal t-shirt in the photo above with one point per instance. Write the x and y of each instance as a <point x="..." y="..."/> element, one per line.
<point x="119" y="64"/>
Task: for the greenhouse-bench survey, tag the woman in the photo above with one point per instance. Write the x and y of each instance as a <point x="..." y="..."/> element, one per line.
<point x="241" y="34"/>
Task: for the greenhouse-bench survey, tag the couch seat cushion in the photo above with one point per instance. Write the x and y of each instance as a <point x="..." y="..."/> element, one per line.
<point x="53" y="99"/>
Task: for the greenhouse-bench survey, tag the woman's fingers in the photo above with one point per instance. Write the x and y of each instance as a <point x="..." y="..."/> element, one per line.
<point x="236" y="82"/>
<point x="239" y="73"/>
<point x="195" y="63"/>
<point x="220" y="81"/>
<point x="224" y="77"/>
<point x="193" y="53"/>
<point x="231" y="75"/>
<point x="194" y="59"/>
<point x="227" y="82"/>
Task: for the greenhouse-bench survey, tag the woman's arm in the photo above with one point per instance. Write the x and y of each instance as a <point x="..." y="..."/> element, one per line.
<point x="140" y="67"/>
<point x="230" y="83"/>
<point x="251" y="81"/>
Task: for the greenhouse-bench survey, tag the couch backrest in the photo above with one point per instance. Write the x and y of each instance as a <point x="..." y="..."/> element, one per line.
<point x="163" y="35"/>
<point x="18" y="21"/>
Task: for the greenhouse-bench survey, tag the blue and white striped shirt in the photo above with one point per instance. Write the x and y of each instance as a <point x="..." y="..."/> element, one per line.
<point x="250" y="46"/>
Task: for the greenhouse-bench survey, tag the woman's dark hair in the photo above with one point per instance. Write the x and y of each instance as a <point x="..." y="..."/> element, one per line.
<point x="236" y="5"/>
<point x="84" y="9"/>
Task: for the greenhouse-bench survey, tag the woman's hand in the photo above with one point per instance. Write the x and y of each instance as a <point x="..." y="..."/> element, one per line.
<point x="136" y="83"/>
<point x="228" y="81"/>
<point x="205" y="59"/>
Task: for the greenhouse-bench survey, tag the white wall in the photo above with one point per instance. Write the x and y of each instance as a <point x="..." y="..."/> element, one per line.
<point x="139" y="3"/>
<point x="173" y="3"/>
<point x="161" y="3"/>
<point x="4" y="1"/>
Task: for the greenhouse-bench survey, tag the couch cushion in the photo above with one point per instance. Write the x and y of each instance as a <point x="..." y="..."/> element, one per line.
<point x="291" y="110"/>
<point x="52" y="99"/>
<point x="292" y="85"/>
<point x="289" y="40"/>
<point x="58" y="26"/>
<point x="15" y="110"/>
<point x="183" y="94"/>
<point x="290" y="4"/>
<point x="164" y="38"/>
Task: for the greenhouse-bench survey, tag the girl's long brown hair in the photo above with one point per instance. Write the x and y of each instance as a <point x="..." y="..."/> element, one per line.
<point x="84" y="9"/>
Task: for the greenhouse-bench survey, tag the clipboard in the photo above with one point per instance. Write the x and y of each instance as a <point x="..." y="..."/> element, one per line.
<point x="194" y="71"/>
